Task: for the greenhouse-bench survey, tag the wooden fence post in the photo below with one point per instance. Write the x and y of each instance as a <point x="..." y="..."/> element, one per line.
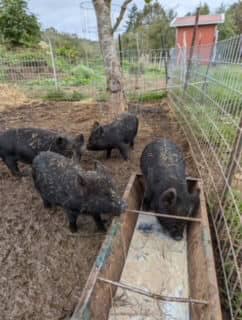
<point x="53" y="64"/>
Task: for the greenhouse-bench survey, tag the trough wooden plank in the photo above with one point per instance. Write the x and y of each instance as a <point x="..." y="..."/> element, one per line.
<point x="201" y="266"/>
<point x="152" y="294"/>
<point x="158" y="264"/>
<point x="96" y="297"/>
<point x="163" y="215"/>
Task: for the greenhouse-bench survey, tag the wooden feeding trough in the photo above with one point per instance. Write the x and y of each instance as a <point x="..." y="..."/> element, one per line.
<point x="136" y="274"/>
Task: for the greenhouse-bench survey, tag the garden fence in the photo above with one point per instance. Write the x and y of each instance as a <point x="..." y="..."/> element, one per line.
<point x="206" y="93"/>
<point x="38" y="71"/>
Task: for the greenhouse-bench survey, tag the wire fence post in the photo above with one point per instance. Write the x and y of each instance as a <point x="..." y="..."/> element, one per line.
<point x="53" y="64"/>
<point x="165" y="58"/>
<point x="210" y="117"/>
<point x="189" y="65"/>
<point x="205" y="83"/>
<point x="166" y="67"/>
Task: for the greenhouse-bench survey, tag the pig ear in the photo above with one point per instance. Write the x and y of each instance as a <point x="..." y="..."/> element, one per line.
<point x="95" y="125"/>
<point x="169" y="197"/>
<point x="100" y="168"/>
<point x="196" y="195"/>
<point x="81" y="180"/>
<point x="60" y="141"/>
<point x="80" y="138"/>
<point x="99" y="130"/>
<point x="197" y="192"/>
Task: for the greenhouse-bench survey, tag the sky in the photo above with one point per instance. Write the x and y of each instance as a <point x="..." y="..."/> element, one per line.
<point x="77" y="16"/>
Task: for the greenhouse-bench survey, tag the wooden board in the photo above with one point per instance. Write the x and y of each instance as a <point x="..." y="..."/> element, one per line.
<point x="201" y="266"/>
<point x="96" y="300"/>
<point x="96" y="297"/>
<point x="158" y="264"/>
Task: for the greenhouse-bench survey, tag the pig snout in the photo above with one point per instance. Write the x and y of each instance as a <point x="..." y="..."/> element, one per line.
<point x="124" y="206"/>
<point x="177" y="233"/>
<point x="120" y="207"/>
<point x="177" y="237"/>
<point x="89" y="146"/>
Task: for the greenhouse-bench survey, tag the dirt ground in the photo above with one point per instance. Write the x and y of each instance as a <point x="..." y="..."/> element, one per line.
<point x="43" y="266"/>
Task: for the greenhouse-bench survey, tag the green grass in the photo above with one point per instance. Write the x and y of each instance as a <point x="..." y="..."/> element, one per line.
<point x="60" y="95"/>
<point x="235" y="227"/>
<point x="212" y="122"/>
<point x="102" y="97"/>
<point x="224" y="85"/>
<point x="230" y="74"/>
<point x="138" y="68"/>
<point x="233" y="219"/>
<point x="148" y="97"/>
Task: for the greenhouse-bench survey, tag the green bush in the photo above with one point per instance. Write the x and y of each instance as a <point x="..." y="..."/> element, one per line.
<point x="154" y="70"/>
<point x="70" y="53"/>
<point x="76" y="96"/>
<point x="60" y="95"/>
<point x="82" y="75"/>
<point x="83" y="71"/>
<point x="102" y="97"/>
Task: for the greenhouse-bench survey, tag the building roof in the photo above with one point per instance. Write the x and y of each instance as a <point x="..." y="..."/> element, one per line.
<point x="203" y="20"/>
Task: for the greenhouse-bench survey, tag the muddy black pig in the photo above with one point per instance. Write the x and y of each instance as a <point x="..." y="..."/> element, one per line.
<point x="163" y="167"/>
<point x="119" y="134"/>
<point x="23" y="144"/>
<point x="61" y="182"/>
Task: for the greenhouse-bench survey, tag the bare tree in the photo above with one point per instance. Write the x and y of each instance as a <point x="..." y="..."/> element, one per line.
<point x="115" y="84"/>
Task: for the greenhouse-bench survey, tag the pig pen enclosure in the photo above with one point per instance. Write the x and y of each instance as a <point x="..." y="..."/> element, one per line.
<point x="44" y="267"/>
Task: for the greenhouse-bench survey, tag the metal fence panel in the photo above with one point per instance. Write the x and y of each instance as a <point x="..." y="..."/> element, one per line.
<point x="209" y="108"/>
<point x="48" y="69"/>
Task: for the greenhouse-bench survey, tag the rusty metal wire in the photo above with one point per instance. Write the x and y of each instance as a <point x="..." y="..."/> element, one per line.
<point x="209" y="109"/>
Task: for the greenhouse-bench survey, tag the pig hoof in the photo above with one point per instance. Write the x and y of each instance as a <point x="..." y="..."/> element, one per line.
<point x="178" y="238"/>
<point x="47" y="204"/>
<point x="17" y="174"/>
<point x="73" y="228"/>
<point x="102" y="229"/>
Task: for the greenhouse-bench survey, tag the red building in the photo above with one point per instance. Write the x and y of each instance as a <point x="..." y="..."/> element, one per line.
<point x="206" y="36"/>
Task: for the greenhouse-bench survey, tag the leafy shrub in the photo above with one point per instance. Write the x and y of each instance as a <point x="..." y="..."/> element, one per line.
<point x="84" y="71"/>
<point x="80" y="75"/>
<point x="102" y="97"/>
<point x="60" y="95"/>
<point x="70" y="53"/>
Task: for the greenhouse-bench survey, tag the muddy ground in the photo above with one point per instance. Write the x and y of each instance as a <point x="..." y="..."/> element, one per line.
<point x="43" y="266"/>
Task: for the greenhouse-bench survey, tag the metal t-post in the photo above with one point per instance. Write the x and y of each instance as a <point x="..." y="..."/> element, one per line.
<point x="189" y="65"/>
<point x="53" y="64"/>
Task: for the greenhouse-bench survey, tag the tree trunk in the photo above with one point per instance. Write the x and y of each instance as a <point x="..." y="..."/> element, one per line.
<point x="115" y="85"/>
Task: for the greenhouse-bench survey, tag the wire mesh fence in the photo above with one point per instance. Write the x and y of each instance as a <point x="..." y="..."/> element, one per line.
<point x="207" y="99"/>
<point x="47" y="69"/>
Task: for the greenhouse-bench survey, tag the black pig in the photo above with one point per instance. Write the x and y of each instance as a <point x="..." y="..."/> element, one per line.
<point x="163" y="167"/>
<point x="23" y="144"/>
<point x="119" y="134"/>
<point x="61" y="182"/>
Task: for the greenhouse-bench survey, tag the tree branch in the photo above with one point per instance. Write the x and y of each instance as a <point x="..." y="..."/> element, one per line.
<point x="121" y="14"/>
